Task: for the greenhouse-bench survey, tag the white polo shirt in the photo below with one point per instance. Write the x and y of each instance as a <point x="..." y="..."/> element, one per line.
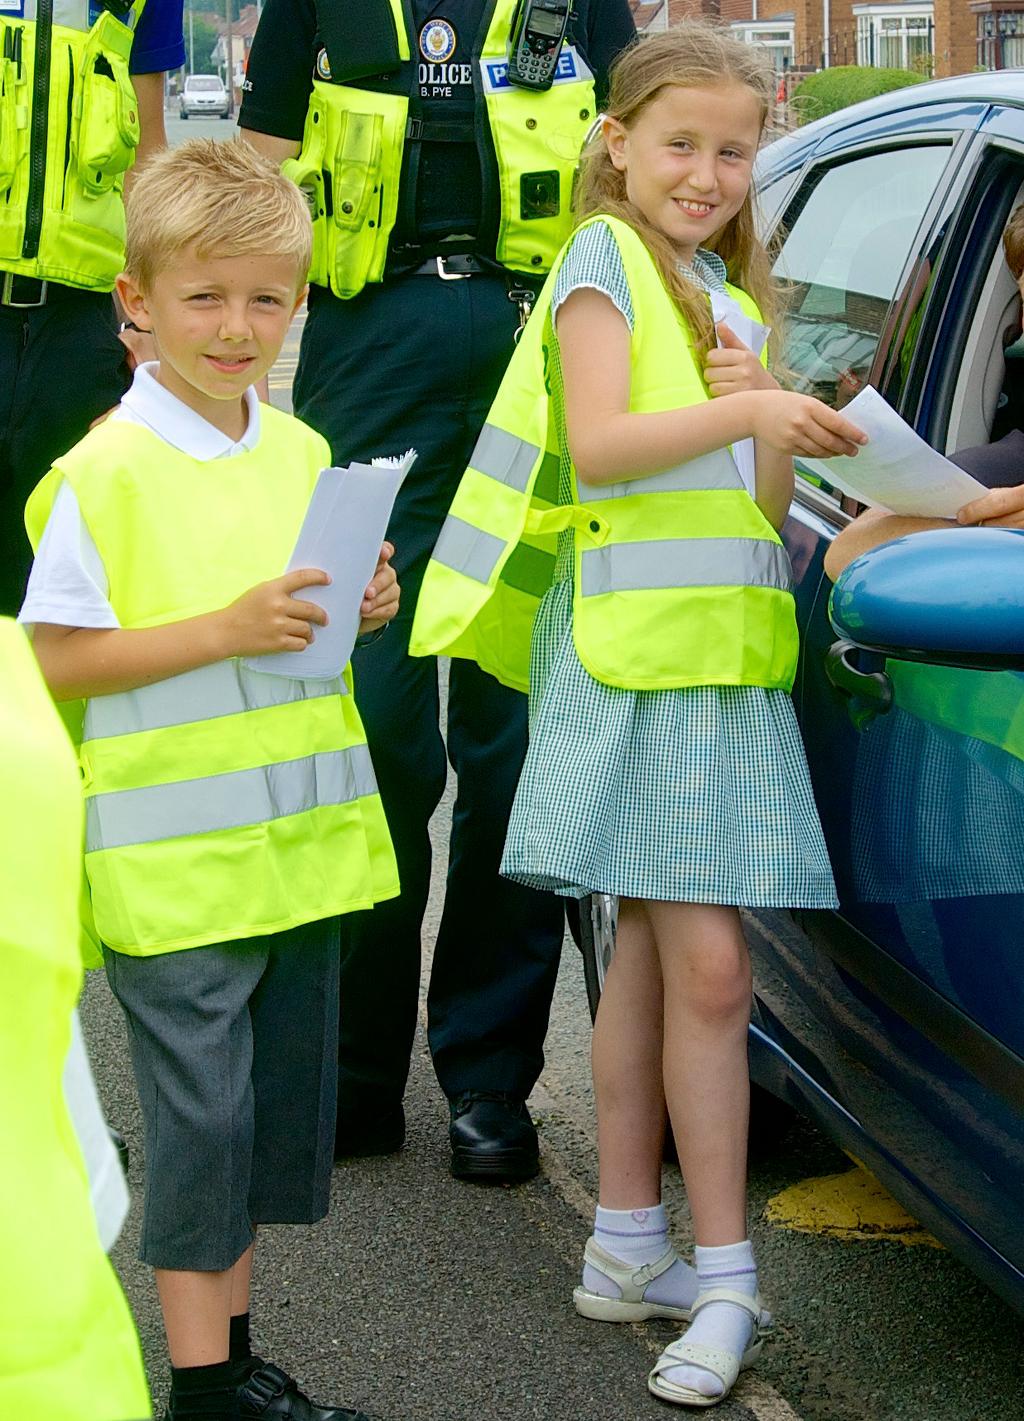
<point x="68" y="584"/>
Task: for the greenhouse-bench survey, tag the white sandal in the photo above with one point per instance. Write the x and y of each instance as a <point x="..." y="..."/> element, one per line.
<point x="631" y="1282"/>
<point x="724" y="1365"/>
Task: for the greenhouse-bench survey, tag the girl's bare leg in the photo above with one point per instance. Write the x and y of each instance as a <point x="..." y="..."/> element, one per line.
<point x="627" y="1064"/>
<point x="707" y="985"/>
<point x="705" y="967"/>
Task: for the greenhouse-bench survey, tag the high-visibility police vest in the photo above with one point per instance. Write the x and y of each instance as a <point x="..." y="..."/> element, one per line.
<point x="357" y="128"/>
<point x="679" y="578"/>
<point x="69" y="127"/>
<point x="68" y="1349"/>
<point x="222" y="803"/>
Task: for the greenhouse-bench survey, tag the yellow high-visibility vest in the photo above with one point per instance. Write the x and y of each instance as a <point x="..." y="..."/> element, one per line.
<point x="223" y="803"/>
<point x="68" y="1349"/>
<point x="69" y="127"/>
<point x="680" y="580"/>
<point x="355" y="136"/>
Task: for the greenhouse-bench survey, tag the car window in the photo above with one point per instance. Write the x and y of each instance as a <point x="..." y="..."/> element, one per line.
<point x="848" y="234"/>
<point x="771" y="197"/>
<point x="203" y="83"/>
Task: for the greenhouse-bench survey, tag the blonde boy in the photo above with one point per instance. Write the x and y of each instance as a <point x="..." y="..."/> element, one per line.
<point x="231" y="815"/>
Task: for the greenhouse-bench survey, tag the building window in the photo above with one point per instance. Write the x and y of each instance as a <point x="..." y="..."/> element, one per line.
<point x="1000" y="37"/>
<point x="896" y="36"/>
<point x="775" y="35"/>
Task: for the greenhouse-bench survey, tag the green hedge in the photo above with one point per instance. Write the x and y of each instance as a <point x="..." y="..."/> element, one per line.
<point x="833" y="89"/>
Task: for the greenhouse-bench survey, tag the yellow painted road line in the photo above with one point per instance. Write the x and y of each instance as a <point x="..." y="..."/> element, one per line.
<point x="852" y="1205"/>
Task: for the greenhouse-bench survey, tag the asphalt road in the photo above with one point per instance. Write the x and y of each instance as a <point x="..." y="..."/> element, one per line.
<point x="425" y="1299"/>
<point x="178" y="129"/>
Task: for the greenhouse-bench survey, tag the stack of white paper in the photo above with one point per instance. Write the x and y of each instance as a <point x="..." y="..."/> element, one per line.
<point x="342" y="534"/>
<point x="896" y="470"/>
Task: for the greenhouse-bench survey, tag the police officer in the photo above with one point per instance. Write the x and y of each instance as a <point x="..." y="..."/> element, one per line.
<point x="441" y="187"/>
<point x="81" y="96"/>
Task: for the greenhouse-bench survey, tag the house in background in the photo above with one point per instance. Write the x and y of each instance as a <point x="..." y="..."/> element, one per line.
<point x="939" y="37"/>
<point x="243" y="27"/>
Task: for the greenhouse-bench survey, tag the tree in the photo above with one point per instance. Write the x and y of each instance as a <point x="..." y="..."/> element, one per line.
<point x="200" y="37"/>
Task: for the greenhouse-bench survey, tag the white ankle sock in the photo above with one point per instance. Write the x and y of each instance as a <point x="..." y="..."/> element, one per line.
<point x="640" y="1236"/>
<point x="719" y="1324"/>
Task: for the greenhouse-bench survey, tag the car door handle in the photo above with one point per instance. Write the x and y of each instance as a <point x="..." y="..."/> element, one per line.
<point x="860" y="675"/>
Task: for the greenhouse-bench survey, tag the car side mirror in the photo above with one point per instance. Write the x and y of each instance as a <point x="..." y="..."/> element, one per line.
<point x="948" y="596"/>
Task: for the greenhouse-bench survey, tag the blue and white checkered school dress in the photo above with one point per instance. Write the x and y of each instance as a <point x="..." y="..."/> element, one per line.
<point x="698" y="795"/>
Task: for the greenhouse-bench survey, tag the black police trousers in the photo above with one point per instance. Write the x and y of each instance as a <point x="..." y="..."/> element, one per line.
<point x="415" y="363"/>
<point x="61" y="365"/>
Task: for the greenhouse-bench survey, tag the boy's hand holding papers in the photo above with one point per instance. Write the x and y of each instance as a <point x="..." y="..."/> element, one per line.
<point x="343" y="534"/>
<point x="381" y="601"/>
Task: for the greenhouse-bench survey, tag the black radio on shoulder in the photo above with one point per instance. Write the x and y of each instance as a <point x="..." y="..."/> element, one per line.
<point x="535" y="42"/>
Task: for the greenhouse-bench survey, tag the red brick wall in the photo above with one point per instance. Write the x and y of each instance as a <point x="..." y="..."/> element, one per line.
<point x="956" y="50"/>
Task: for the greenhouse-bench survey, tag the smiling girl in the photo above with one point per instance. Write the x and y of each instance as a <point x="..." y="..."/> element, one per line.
<point x="665" y="764"/>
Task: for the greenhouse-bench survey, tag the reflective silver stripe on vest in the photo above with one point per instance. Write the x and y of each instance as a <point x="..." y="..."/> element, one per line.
<point x="466" y="549"/>
<point x="685" y="562"/>
<point x="230" y="801"/>
<point x="72" y="13"/>
<point x="713" y="471"/>
<point x="225" y="688"/>
<point x="504" y="457"/>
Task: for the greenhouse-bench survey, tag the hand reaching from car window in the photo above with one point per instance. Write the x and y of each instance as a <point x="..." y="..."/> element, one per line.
<point x="999" y="508"/>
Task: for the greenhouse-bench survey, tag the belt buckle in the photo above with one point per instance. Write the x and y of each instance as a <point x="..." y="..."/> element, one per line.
<point x="7" y="289"/>
<point x="446" y="275"/>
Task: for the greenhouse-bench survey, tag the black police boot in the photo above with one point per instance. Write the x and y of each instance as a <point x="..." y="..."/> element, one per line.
<point x="492" y="1137"/>
<point x="270" y="1393"/>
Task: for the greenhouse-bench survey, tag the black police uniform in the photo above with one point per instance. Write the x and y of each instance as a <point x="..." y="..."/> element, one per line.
<point x="61" y="363"/>
<point x="414" y="362"/>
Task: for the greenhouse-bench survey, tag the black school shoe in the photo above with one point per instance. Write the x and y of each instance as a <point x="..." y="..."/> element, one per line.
<point x="492" y="1137"/>
<point x="268" y="1394"/>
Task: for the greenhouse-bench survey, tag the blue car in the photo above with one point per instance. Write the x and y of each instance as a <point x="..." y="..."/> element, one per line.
<point x="897" y="1023"/>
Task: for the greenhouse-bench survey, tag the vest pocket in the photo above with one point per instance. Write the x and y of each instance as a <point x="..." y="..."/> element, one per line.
<point x="107" y="128"/>
<point x="13" y="116"/>
<point x="8" y="124"/>
<point x="357" y="198"/>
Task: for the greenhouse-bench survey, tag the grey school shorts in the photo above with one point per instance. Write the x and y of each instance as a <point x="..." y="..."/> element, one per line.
<point x="235" y="1052"/>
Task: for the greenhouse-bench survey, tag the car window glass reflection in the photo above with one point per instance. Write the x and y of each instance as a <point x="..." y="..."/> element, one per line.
<point x="842" y="259"/>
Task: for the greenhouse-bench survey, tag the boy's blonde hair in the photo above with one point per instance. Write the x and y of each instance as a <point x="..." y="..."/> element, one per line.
<point x="1013" y="242"/>
<point x="693" y="55"/>
<point x="224" y="199"/>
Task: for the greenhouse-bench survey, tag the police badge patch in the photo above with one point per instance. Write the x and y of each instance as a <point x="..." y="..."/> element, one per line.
<point x="323" y="66"/>
<point x="437" y="41"/>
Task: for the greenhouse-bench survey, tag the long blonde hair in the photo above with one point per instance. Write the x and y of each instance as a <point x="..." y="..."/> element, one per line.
<point x="694" y="55"/>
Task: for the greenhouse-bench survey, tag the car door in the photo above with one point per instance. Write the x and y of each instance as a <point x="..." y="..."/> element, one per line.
<point x="899" y="1019"/>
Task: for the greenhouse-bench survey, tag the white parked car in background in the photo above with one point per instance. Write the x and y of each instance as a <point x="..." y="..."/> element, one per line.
<point x="204" y="94"/>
